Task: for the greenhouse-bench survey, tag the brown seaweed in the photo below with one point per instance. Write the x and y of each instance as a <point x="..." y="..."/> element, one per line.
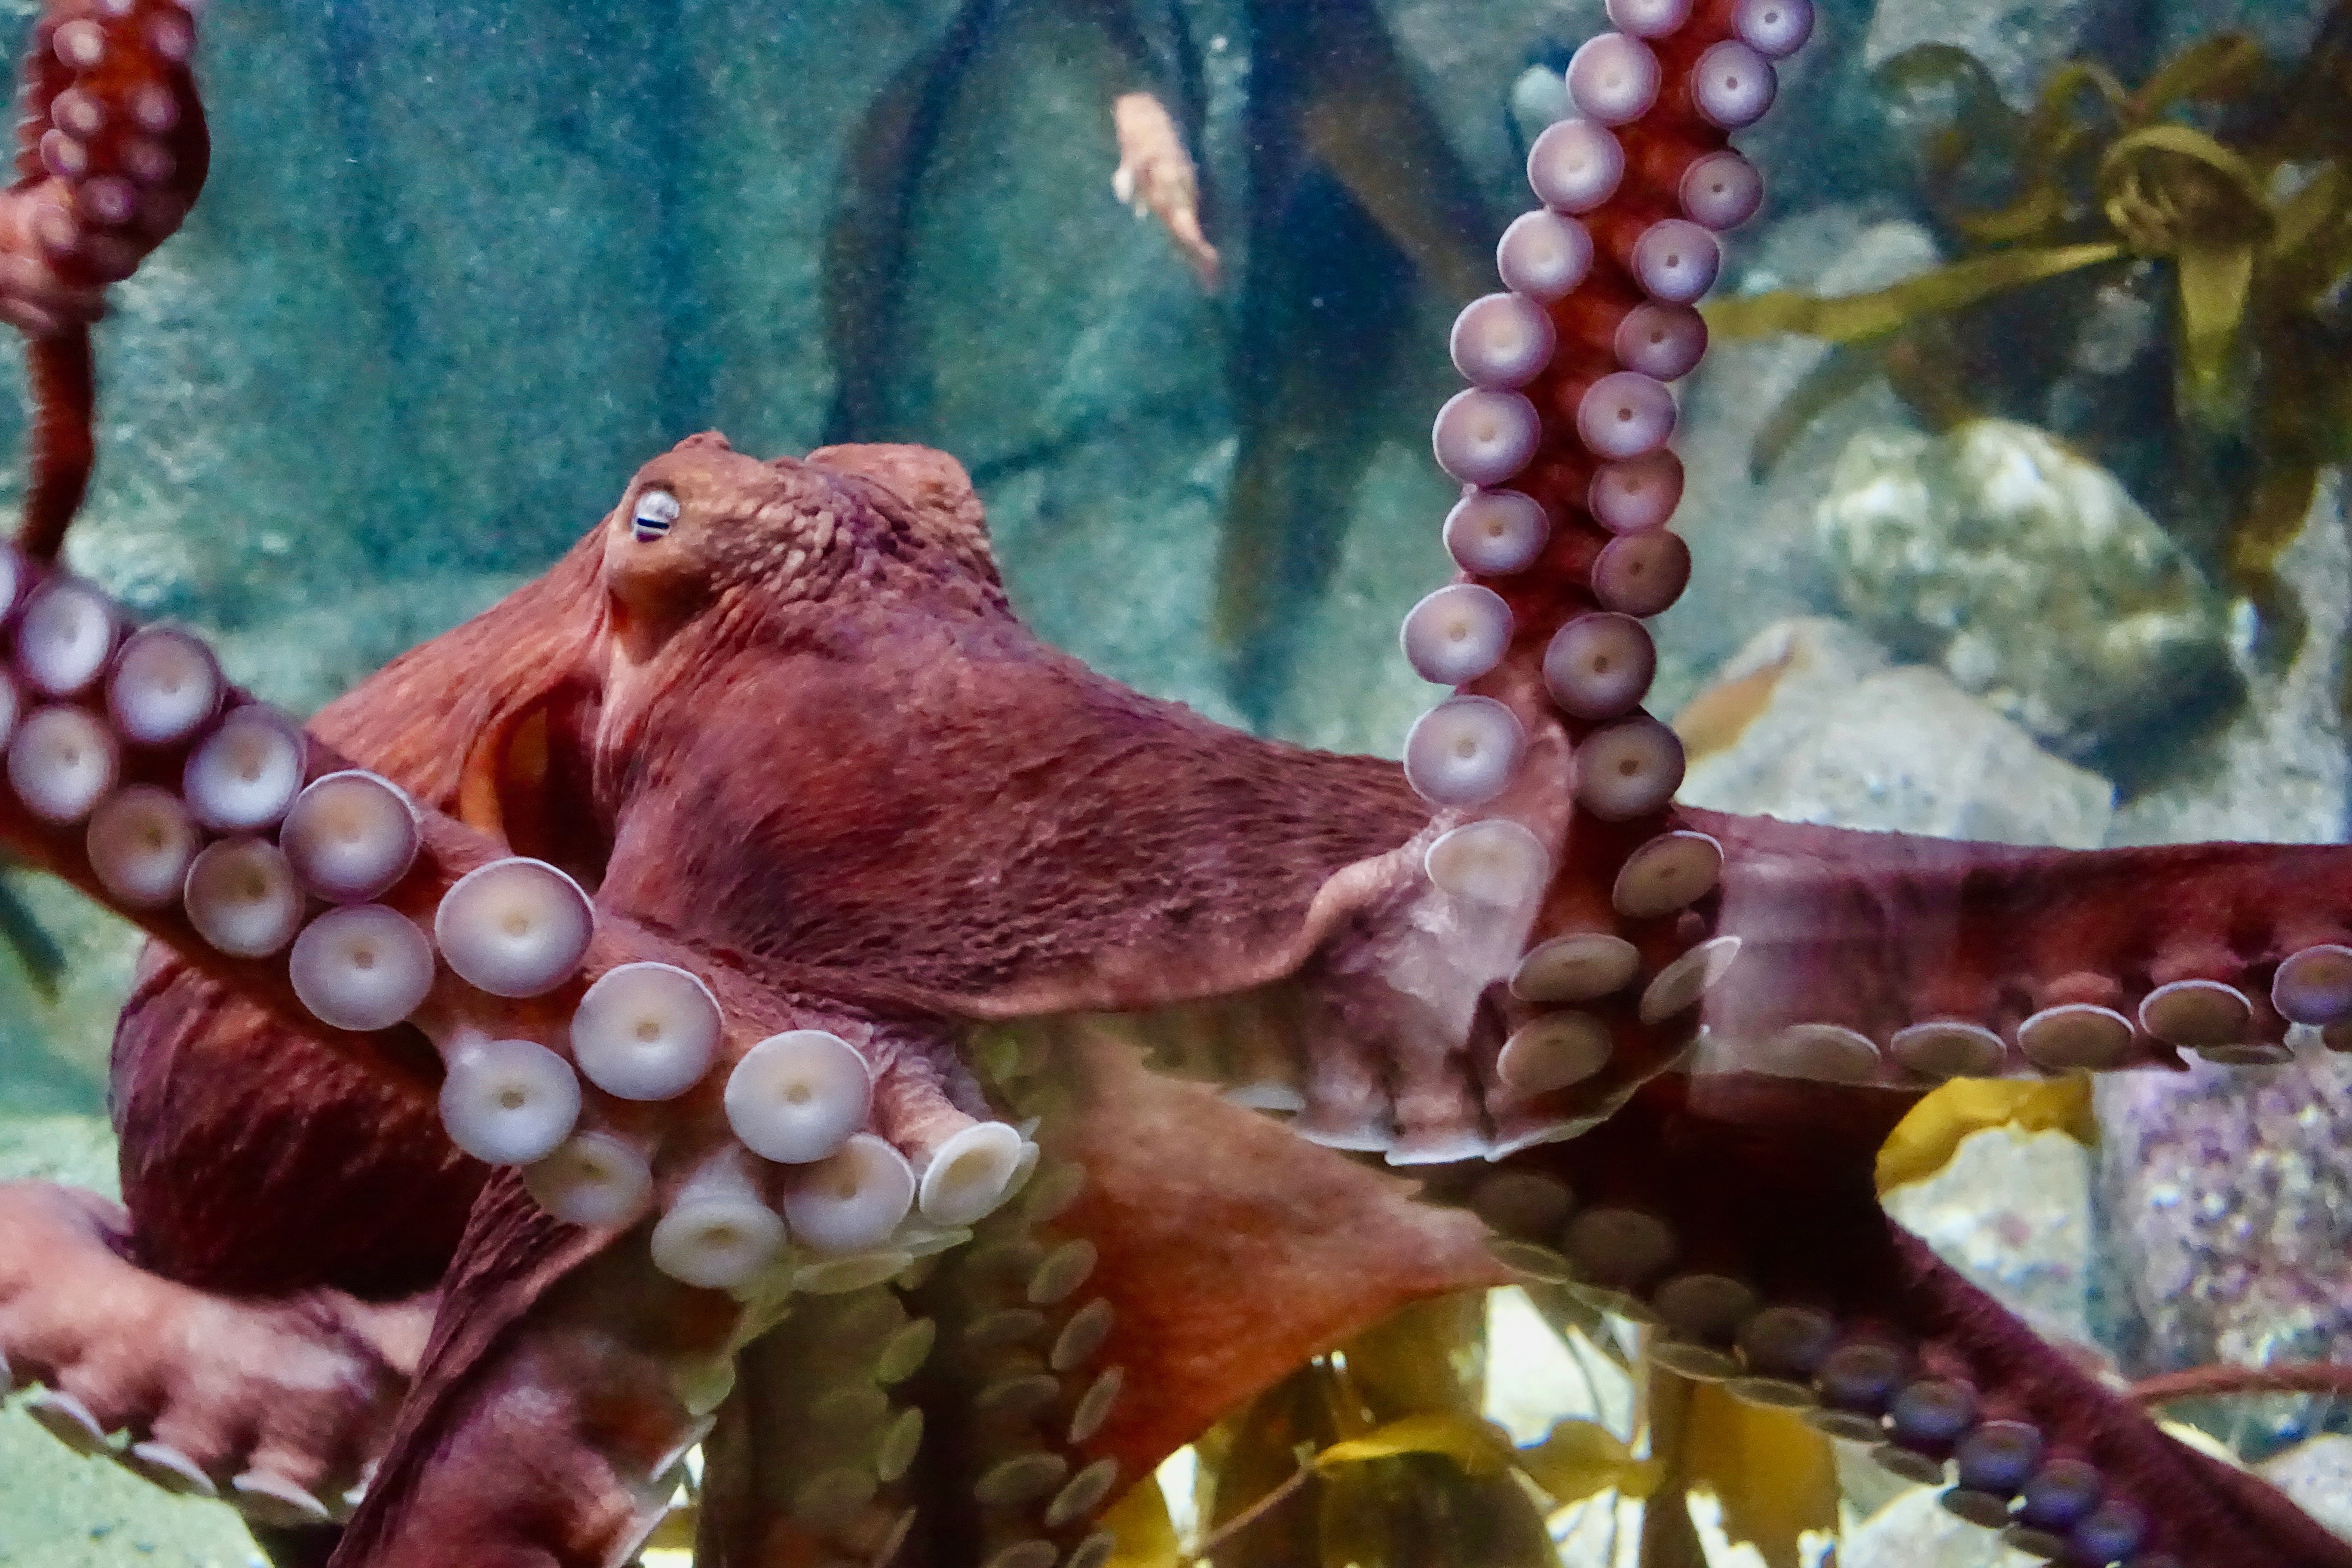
<point x="2224" y="180"/>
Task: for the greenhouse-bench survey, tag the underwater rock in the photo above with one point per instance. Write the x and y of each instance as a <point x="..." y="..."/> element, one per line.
<point x="1811" y="723"/>
<point x="2032" y="578"/>
<point x="2226" y="1197"/>
<point x="2018" y="41"/>
<point x="1756" y="464"/>
<point x="1916" y="1532"/>
<point x="2280" y="770"/>
<point x="2012" y="1212"/>
<point x="2317" y="1474"/>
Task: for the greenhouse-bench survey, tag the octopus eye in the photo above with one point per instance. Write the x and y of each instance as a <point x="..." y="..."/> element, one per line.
<point x="657" y="510"/>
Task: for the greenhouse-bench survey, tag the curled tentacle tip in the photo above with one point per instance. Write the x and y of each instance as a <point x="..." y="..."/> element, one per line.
<point x="645" y="1031"/>
<point x="509" y="1103"/>
<point x="797" y="1097"/>
<point x="361" y="967"/>
<point x="516" y="927"/>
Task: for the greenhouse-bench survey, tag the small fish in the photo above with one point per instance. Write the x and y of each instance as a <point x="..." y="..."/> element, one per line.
<point x="1156" y="176"/>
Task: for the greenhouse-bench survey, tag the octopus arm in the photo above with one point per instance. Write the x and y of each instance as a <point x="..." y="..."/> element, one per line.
<point x="1939" y="954"/>
<point x="563" y="1384"/>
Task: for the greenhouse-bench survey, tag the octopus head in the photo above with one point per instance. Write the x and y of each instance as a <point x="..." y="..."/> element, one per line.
<point x="705" y="532"/>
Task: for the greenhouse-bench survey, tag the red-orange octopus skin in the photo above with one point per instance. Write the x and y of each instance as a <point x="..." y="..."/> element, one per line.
<point x="780" y="720"/>
<point x="1256" y="939"/>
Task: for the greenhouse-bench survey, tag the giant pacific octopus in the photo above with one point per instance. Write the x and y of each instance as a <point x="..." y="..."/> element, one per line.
<point x="744" y="991"/>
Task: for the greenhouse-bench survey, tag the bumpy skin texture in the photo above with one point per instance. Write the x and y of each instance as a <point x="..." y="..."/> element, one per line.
<point x="796" y="743"/>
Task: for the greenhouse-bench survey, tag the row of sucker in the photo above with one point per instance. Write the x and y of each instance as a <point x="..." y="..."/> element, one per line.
<point x="838" y="1438"/>
<point x="1021" y="1339"/>
<point x="1560" y="443"/>
<point x="1912" y="1405"/>
<point x="2308" y="997"/>
<point x="186" y="797"/>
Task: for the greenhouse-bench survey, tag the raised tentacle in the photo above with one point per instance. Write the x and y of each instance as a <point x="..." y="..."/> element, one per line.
<point x="112" y="151"/>
<point x="1556" y="872"/>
